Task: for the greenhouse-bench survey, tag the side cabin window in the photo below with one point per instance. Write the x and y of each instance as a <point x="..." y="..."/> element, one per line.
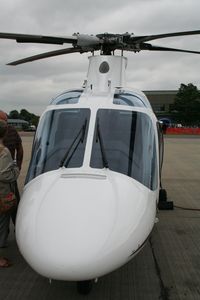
<point x="124" y="141"/>
<point x="69" y="97"/>
<point x="60" y="141"/>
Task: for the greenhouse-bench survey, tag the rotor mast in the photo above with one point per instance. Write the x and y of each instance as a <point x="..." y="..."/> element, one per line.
<point x="106" y="72"/>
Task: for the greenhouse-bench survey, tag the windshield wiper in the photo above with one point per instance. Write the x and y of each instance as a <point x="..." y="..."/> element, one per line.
<point x="103" y="152"/>
<point x="80" y="137"/>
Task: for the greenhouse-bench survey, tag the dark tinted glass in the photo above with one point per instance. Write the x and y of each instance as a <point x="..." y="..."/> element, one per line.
<point x="70" y="97"/>
<point x="126" y="141"/>
<point x="125" y="98"/>
<point x="61" y="134"/>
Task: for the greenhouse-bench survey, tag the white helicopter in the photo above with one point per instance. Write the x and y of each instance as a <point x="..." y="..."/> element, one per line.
<point x="94" y="182"/>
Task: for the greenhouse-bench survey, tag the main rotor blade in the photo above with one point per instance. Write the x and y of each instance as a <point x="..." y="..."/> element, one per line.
<point x="147" y="38"/>
<point x="29" y="38"/>
<point x="150" y="47"/>
<point x="45" y="55"/>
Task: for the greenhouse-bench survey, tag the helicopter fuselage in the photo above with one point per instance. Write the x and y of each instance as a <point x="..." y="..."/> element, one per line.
<point x="90" y="198"/>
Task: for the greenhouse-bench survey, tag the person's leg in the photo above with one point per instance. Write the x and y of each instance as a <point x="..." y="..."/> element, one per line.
<point x="4" y="229"/>
<point x="14" y="210"/>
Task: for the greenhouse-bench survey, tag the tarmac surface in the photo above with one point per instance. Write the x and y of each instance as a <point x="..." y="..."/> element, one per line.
<point x="167" y="268"/>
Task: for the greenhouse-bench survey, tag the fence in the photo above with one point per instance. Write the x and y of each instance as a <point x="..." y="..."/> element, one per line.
<point x="183" y="130"/>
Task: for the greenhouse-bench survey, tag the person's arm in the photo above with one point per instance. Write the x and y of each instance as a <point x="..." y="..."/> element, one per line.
<point x="9" y="172"/>
<point x="19" y="155"/>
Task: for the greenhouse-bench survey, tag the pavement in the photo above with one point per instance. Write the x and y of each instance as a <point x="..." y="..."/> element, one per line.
<point x="167" y="268"/>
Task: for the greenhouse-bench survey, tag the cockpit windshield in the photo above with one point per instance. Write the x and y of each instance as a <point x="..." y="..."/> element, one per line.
<point x="60" y="141"/>
<point x="124" y="142"/>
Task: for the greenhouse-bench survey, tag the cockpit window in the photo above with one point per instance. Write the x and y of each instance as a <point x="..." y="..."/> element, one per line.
<point x="128" y="98"/>
<point x="69" y="97"/>
<point x="124" y="142"/>
<point x="60" y="141"/>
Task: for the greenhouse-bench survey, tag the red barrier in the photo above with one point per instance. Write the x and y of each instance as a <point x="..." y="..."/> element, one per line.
<point x="183" y="130"/>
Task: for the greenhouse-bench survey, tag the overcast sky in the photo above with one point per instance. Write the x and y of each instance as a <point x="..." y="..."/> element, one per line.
<point x="33" y="85"/>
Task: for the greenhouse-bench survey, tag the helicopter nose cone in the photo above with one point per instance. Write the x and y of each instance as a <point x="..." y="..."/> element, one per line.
<point x="74" y="222"/>
<point x="76" y="227"/>
<point x="84" y="225"/>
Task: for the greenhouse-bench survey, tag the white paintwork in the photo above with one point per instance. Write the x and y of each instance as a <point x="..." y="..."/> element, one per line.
<point x="103" y="82"/>
<point x="81" y="223"/>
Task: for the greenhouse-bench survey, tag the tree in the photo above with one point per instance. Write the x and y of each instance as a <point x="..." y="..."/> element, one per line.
<point x="186" y="107"/>
<point x="24" y="115"/>
<point x="14" y="114"/>
<point x="29" y="117"/>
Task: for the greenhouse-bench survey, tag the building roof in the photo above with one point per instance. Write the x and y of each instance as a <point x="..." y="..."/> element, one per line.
<point x="161" y="92"/>
<point x="17" y="121"/>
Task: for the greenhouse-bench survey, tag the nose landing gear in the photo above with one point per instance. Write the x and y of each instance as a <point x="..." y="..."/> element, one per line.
<point x="84" y="287"/>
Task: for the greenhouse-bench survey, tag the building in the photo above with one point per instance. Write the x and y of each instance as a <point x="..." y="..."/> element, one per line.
<point x="161" y="101"/>
<point x="18" y="124"/>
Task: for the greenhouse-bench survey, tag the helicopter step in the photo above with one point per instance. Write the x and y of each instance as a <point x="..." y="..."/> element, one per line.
<point x="163" y="204"/>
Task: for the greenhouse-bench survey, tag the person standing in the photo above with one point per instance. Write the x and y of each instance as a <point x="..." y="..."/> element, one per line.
<point x="13" y="142"/>
<point x="8" y="175"/>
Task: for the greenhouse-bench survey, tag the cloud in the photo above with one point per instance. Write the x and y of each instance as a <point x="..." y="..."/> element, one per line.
<point x="32" y="85"/>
